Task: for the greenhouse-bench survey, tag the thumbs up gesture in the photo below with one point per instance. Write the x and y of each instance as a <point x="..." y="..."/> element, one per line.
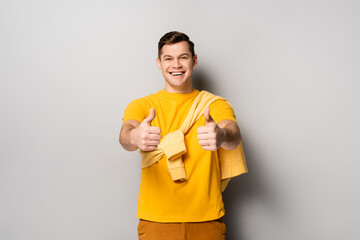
<point x="145" y="136"/>
<point x="210" y="136"/>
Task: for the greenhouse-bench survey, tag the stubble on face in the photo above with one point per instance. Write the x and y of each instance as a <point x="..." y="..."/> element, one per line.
<point x="176" y="64"/>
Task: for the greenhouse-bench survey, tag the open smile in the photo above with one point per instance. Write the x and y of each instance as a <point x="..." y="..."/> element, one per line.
<point x="177" y="73"/>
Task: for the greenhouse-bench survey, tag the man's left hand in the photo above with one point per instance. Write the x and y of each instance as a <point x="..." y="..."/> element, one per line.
<point x="210" y="136"/>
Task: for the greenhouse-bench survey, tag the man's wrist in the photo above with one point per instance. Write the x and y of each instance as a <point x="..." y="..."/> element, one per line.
<point x="221" y="136"/>
<point x="131" y="137"/>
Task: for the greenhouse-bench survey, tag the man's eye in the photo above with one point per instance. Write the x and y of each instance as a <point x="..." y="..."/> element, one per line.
<point x="167" y="59"/>
<point x="184" y="57"/>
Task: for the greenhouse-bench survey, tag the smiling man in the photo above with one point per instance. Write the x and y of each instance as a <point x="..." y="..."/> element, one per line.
<point x="176" y="62"/>
<point x="190" y="145"/>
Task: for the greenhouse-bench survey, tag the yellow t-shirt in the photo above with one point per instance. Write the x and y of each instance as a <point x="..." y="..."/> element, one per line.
<point x="197" y="199"/>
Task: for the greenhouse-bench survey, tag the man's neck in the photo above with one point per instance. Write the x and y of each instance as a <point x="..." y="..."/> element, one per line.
<point x="181" y="90"/>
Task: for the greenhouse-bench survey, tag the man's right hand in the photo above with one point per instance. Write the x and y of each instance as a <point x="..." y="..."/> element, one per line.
<point x="145" y="136"/>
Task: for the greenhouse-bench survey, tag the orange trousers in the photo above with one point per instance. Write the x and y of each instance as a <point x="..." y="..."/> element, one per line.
<point x="211" y="230"/>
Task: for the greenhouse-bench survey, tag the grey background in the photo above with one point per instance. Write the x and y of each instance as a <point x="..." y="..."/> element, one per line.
<point x="69" y="68"/>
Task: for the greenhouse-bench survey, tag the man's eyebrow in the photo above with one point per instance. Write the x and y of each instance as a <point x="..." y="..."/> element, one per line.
<point x="183" y="54"/>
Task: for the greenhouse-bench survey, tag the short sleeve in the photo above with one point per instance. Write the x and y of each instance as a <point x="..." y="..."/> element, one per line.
<point x="136" y="110"/>
<point x="221" y="110"/>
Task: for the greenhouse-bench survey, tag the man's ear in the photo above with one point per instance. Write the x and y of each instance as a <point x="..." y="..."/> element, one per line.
<point x="195" y="60"/>
<point x="158" y="63"/>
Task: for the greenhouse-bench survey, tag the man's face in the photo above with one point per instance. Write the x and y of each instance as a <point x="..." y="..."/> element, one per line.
<point x="176" y="64"/>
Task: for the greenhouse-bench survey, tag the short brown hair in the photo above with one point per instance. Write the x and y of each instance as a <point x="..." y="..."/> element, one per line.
<point x="175" y="37"/>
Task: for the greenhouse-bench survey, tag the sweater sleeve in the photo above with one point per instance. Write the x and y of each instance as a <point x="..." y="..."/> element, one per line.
<point x="232" y="163"/>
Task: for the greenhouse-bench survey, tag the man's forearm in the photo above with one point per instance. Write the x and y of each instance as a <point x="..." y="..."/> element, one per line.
<point x="231" y="134"/>
<point x="125" y="137"/>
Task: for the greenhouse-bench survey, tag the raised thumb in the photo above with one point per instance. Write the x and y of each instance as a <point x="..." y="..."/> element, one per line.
<point x="207" y="115"/>
<point x="150" y="117"/>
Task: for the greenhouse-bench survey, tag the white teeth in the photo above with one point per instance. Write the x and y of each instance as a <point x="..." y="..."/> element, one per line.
<point x="176" y="74"/>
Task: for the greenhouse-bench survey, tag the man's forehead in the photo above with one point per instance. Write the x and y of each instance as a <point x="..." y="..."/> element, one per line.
<point x="176" y="49"/>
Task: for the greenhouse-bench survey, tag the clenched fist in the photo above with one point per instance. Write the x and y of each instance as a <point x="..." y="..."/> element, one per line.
<point x="210" y="136"/>
<point x="145" y="136"/>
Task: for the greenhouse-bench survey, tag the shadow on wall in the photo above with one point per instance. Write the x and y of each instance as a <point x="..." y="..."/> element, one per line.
<point x="202" y="82"/>
<point x="252" y="190"/>
<point x="242" y="189"/>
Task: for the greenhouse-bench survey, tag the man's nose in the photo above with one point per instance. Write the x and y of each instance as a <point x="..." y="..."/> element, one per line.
<point x="177" y="63"/>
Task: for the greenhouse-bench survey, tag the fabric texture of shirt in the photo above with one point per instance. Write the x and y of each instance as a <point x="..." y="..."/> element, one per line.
<point x="198" y="198"/>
